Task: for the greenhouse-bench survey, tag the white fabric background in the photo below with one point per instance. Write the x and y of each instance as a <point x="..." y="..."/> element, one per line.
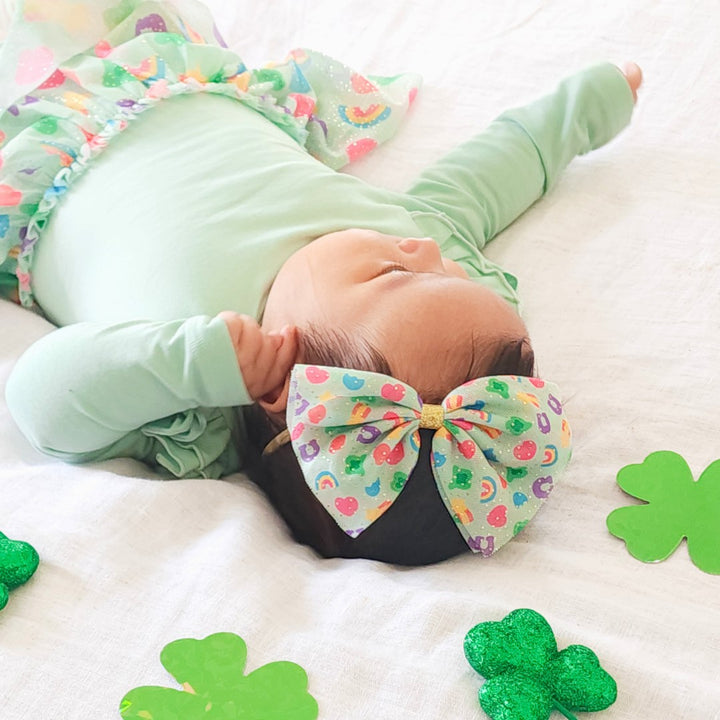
<point x="619" y="269"/>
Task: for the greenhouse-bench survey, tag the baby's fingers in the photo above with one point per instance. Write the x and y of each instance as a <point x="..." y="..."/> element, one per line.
<point x="268" y="362"/>
<point x="285" y="356"/>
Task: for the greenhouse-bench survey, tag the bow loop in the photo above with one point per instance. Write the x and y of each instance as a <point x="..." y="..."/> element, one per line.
<point x="347" y="425"/>
<point x="506" y="443"/>
<point x="498" y="445"/>
<point x="332" y="397"/>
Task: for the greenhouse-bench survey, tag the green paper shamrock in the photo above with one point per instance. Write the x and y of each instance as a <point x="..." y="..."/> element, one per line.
<point x="527" y="678"/>
<point x="18" y="561"/>
<point x="215" y="688"/>
<point x="676" y="507"/>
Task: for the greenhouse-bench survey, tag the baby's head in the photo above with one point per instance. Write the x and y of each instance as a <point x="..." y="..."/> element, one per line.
<point x="394" y="305"/>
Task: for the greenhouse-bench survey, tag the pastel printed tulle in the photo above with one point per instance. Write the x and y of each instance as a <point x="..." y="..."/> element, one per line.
<point x="73" y="74"/>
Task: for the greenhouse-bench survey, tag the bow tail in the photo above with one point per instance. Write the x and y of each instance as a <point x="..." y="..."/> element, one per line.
<point x="488" y="508"/>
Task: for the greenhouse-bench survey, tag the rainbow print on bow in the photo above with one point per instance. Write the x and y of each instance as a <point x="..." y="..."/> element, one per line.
<point x="498" y="447"/>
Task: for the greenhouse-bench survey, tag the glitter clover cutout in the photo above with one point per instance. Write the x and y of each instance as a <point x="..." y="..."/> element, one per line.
<point x="676" y="507"/>
<point x="211" y="672"/>
<point x="18" y="562"/>
<point x="527" y="678"/>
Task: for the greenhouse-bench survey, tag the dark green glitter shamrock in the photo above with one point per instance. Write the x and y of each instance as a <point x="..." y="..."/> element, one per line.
<point x="215" y="688"/>
<point x="18" y="561"/>
<point x="527" y="678"/>
<point x="676" y="507"/>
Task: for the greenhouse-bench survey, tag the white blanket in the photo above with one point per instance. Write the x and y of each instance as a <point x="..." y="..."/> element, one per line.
<point x="619" y="271"/>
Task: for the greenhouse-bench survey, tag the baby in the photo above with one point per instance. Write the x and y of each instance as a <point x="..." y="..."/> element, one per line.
<point x="205" y="267"/>
<point x="380" y="295"/>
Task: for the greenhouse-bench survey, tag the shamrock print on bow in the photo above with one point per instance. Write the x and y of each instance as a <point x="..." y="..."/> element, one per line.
<point x="498" y="445"/>
<point x="675" y="507"/>
<point x="527" y="678"/>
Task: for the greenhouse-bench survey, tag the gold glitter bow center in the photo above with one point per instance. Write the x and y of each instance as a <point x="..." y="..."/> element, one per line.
<point x="432" y="417"/>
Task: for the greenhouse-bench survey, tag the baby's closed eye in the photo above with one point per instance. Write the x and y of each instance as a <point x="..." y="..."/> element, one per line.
<point x="392" y="268"/>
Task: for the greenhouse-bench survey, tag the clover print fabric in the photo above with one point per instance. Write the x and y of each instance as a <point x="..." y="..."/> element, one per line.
<point x="497" y="450"/>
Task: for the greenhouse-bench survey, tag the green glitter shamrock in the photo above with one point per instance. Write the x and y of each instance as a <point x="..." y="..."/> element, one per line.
<point x="527" y="678"/>
<point x="18" y="561"/>
<point x="676" y="507"/>
<point x="215" y="688"/>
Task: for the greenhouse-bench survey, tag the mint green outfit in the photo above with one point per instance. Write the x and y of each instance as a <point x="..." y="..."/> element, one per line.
<point x="194" y="207"/>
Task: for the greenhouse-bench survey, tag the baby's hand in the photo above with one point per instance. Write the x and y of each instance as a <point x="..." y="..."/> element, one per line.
<point x="633" y="75"/>
<point x="265" y="358"/>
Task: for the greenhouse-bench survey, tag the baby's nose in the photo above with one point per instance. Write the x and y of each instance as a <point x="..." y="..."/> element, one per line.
<point x="425" y="250"/>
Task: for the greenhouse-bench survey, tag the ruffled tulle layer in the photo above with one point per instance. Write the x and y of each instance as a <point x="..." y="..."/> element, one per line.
<point x="148" y="52"/>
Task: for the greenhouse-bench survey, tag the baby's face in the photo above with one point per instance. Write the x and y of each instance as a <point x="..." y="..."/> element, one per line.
<point x="413" y="305"/>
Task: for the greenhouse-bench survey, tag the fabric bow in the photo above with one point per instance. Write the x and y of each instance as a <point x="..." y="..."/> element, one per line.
<point x="499" y="444"/>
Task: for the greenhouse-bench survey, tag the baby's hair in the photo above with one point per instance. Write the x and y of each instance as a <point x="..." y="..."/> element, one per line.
<point x="509" y="356"/>
<point x="417" y="530"/>
<point x="334" y="347"/>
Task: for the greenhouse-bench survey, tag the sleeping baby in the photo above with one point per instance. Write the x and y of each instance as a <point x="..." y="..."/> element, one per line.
<point x="226" y="300"/>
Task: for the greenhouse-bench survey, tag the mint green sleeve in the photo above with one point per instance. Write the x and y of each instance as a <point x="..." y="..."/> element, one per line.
<point x="487" y="182"/>
<point x="160" y="392"/>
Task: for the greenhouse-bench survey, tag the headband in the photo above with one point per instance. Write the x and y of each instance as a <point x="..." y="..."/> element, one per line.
<point x="499" y="443"/>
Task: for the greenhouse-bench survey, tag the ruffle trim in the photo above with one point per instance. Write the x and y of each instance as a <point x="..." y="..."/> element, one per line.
<point x="255" y="97"/>
<point x="149" y="53"/>
<point x="194" y="443"/>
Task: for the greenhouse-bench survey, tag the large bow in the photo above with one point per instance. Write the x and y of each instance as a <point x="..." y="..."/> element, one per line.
<point x="499" y="444"/>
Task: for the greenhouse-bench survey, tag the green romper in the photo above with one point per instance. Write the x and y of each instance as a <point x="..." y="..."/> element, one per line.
<point x="152" y="181"/>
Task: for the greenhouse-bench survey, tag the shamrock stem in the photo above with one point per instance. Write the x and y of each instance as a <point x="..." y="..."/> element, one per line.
<point x="561" y="709"/>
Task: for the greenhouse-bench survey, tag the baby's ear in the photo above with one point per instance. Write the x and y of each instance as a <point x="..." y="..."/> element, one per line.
<point x="275" y="401"/>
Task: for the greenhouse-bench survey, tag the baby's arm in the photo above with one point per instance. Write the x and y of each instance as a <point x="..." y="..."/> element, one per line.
<point x="486" y="183"/>
<point x="92" y="391"/>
